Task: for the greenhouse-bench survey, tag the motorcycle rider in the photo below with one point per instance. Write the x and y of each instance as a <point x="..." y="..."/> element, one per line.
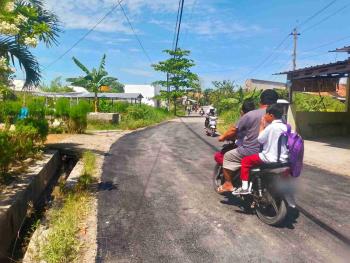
<point x="271" y="128"/>
<point x="210" y="112"/>
<point x="249" y="125"/>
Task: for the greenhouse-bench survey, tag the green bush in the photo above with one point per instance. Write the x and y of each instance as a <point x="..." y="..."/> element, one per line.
<point x="7" y="153"/>
<point x="120" y="106"/>
<point x="24" y="139"/>
<point x="78" y="117"/>
<point x="311" y="102"/>
<point x="117" y="106"/>
<point x="62" y="107"/>
<point x="41" y="127"/>
<point x="9" y="111"/>
<point x="36" y="107"/>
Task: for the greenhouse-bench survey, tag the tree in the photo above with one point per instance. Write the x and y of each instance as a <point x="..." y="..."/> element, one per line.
<point x="23" y="24"/>
<point x="180" y="77"/>
<point x="56" y="85"/>
<point x="115" y="86"/>
<point x="225" y="87"/>
<point x="93" y="79"/>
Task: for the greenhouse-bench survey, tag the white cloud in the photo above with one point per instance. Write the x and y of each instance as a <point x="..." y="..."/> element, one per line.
<point x="138" y="72"/>
<point x="212" y="27"/>
<point x="79" y="14"/>
<point x="134" y="50"/>
<point x="107" y="39"/>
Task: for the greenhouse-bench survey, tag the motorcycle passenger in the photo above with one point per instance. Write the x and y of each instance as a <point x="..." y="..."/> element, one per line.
<point x="271" y="128"/>
<point x="249" y="125"/>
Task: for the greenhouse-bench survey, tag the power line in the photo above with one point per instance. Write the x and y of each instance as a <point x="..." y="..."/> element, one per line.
<point x="326" y="18"/>
<point x="84" y="36"/>
<point x="267" y="58"/>
<point x="327" y="44"/>
<point x="179" y="24"/>
<point x="317" y="13"/>
<point x="176" y="24"/>
<point x="136" y="36"/>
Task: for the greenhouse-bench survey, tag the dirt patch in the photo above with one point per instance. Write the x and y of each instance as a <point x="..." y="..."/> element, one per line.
<point x="55" y="138"/>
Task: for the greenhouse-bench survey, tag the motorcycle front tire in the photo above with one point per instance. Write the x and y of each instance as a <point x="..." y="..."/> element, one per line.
<point x="218" y="177"/>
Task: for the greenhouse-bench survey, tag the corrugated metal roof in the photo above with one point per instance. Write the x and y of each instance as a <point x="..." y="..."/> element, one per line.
<point x="260" y="81"/>
<point x="342" y="49"/>
<point x="317" y="67"/>
<point x="122" y="96"/>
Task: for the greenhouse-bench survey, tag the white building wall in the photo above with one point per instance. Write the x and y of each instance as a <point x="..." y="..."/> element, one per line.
<point x="147" y="91"/>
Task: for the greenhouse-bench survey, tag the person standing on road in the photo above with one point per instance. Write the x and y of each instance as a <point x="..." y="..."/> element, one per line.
<point x="249" y="125"/>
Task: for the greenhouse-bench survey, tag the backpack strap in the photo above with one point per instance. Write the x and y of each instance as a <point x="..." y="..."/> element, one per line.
<point x="282" y="139"/>
<point x="279" y="146"/>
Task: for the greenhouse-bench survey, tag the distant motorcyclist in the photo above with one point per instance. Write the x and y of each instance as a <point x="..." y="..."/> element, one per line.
<point x="210" y="112"/>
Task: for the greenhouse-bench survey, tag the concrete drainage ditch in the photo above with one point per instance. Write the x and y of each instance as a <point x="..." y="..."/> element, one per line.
<point x="25" y="201"/>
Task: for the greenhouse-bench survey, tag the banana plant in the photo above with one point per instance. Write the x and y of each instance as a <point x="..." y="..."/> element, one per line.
<point x="93" y="79"/>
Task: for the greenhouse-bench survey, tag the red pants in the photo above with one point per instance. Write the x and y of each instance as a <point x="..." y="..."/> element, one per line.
<point x="247" y="163"/>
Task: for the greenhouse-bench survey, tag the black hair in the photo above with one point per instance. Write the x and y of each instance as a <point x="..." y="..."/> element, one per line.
<point x="248" y="105"/>
<point x="276" y="110"/>
<point x="268" y="97"/>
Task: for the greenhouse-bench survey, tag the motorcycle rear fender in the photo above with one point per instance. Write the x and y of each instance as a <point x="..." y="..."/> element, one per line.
<point x="289" y="198"/>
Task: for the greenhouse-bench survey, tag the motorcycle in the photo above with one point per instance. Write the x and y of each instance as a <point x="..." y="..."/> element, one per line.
<point x="211" y="126"/>
<point x="201" y="112"/>
<point x="272" y="190"/>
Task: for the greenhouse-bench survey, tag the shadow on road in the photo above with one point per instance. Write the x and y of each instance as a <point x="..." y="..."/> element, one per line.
<point x="289" y="222"/>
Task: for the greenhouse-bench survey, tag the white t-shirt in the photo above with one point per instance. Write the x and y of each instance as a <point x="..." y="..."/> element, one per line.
<point x="269" y="139"/>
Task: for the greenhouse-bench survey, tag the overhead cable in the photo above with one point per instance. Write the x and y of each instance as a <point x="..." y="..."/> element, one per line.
<point x="114" y="7"/>
<point x="326" y="18"/>
<point x="317" y="13"/>
<point x="136" y="36"/>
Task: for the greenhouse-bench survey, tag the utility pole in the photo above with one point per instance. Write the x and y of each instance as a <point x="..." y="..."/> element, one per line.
<point x="295" y="35"/>
<point x="177" y="38"/>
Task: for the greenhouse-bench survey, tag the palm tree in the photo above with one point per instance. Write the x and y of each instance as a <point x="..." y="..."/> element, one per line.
<point x="12" y="48"/>
<point x="93" y="79"/>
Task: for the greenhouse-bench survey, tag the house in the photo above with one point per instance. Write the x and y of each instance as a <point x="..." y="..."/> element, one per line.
<point x="259" y="84"/>
<point x="321" y="78"/>
<point x="147" y="91"/>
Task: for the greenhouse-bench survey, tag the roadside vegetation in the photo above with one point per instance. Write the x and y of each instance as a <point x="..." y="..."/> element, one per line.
<point x="66" y="218"/>
<point x="180" y="79"/>
<point x="133" y="116"/>
<point x="227" y="98"/>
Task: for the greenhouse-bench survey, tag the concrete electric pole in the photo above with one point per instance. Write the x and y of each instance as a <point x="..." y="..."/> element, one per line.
<point x="295" y="35"/>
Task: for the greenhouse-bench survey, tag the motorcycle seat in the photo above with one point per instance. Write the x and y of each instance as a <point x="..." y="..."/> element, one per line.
<point x="273" y="165"/>
<point x="270" y="166"/>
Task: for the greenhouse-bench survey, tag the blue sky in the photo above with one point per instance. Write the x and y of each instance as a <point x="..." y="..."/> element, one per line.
<point x="227" y="38"/>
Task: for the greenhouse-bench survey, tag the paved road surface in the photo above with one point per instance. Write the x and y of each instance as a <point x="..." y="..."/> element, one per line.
<point x="161" y="207"/>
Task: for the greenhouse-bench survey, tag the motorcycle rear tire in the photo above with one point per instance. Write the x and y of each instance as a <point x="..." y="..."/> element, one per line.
<point x="278" y="218"/>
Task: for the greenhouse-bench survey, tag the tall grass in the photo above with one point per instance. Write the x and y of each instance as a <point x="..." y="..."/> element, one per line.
<point x="65" y="219"/>
<point x="62" y="245"/>
<point x="228" y="118"/>
<point x="134" y="116"/>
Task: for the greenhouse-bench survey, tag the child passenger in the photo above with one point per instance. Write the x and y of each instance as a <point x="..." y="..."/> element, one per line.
<point x="271" y="128"/>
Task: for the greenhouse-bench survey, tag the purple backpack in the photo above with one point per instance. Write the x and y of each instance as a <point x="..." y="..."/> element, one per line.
<point x="295" y="146"/>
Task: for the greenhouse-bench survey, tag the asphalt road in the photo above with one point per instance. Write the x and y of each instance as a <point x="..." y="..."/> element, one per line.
<point x="158" y="205"/>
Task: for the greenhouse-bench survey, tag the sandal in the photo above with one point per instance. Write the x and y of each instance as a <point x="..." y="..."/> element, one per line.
<point x="222" y="190"/>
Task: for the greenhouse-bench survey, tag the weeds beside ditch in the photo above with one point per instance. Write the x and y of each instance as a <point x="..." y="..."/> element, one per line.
<point x="66" y="217"/>
<point x="133" y="117"/>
